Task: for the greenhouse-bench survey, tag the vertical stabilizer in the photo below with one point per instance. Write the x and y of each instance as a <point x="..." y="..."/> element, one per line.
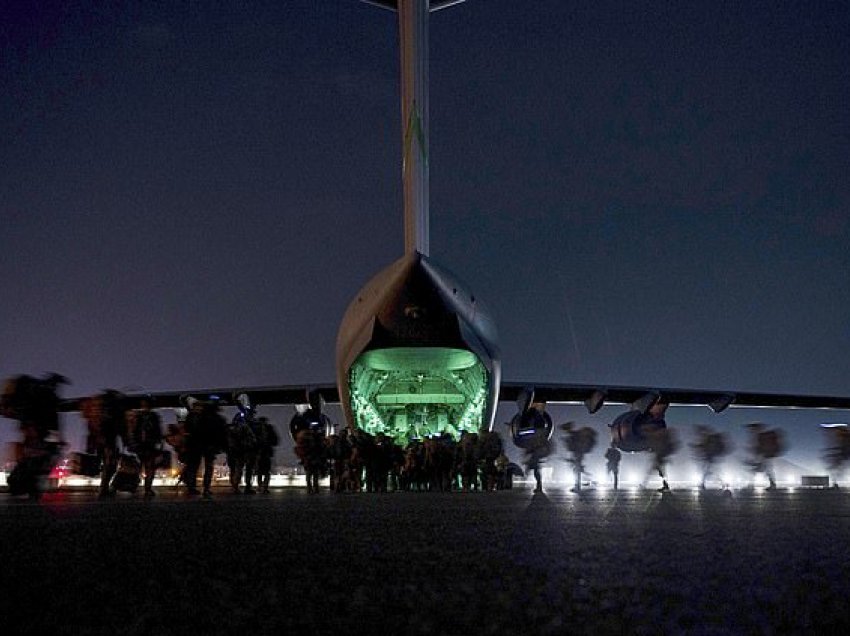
<point x="413" y="47"/>
<point x="413" y="37"/>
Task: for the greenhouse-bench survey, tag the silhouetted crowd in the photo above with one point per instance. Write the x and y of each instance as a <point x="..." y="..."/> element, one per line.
<point x="355" y="460"/>
<point x="126" y="445"/>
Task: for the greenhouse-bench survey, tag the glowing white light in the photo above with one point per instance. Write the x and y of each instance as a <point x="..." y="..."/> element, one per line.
<point x="78" y="481"/>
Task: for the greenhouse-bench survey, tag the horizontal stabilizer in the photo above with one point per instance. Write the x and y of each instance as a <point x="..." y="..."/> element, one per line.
<point x="392" y="5"/>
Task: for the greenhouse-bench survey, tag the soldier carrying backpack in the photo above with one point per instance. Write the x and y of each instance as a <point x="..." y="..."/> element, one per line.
<point x="267" y="439"/>
<point x="242" y="450"/>
<point x="204" y="431"/>
<point x="145" y="440"/>
<point x="34" y="403"/>
<point x="105" y="419"/>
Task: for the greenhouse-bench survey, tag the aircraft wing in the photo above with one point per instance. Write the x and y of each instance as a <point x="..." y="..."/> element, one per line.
<point x="296" y="394"/>
<point x="593" y="397"/>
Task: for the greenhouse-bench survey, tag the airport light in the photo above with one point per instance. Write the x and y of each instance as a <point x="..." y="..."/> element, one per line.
<point x="632" y="478"/>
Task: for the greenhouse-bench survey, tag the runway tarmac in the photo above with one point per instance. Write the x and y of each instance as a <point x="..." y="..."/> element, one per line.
<point x="508" y="562"/>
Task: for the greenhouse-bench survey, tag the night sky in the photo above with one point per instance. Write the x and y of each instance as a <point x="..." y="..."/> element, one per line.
<point x="643" y="193"/>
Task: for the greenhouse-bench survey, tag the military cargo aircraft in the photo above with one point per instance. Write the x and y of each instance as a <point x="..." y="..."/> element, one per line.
<point x="417" y="351"/>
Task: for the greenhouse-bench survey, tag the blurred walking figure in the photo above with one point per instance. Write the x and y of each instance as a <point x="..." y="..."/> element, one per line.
<point x="466" y="461"/>
<point x="339" y="455"/>
<point x="308" y="429"/>
<point x="379" y="463"/>
<point x="412" y="477"/>
<point x="613" y="457"/>
<point x="310" y="449"/>
<point x="353" y="476"/>
<point x="267" y="439"/>
<point x="175" y="436"/>
<point x="438" y="462"/>
<point x="491" y="448"/>
<point x="838" y="454"/>
<point x="242" y="447"/>
<point x="579" y="443"/>
<point x="503" y="476"/>
<point x="765" y="445"/>
<point x="144" y="438"/>
<point x="105" y="418"/>
<point x="538" y="449"/>
<point x="711" y="445"/>
<point x="662" y="441"/>
<point x="204" y="430"/>
<point x="34" y="403"/>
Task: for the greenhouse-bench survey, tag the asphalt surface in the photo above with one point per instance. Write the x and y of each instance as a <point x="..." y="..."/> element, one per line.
<point x="425" y="563"/>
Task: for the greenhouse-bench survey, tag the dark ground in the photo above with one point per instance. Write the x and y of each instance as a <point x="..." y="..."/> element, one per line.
<point x="422" y="563"/>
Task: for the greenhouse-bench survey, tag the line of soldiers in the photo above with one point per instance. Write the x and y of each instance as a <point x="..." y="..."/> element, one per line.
<point x="197" y="438"/>
<point x="766" y="444"/>
<point x="140" y="430"/>
<point x="248" y="442"/>
<point x="356" y="460"/>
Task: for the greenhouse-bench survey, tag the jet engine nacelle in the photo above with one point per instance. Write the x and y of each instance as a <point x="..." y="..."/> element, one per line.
<point x="629" y="431"/>
<point x="529" y="427"/>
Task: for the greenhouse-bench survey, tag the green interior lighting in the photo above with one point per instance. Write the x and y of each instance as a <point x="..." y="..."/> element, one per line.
<point x="417" y="392"/>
